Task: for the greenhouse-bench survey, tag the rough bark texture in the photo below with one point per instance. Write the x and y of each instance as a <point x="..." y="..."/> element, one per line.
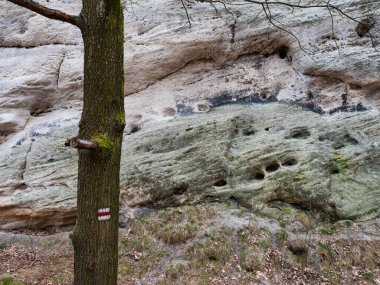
<point x="95" y="242"/>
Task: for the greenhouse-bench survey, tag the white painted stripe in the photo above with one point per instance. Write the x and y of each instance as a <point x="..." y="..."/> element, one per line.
<point x="104" y="210"/>
<point x="104" y="218"/>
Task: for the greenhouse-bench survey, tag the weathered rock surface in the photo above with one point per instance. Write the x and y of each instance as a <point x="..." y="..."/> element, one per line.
<point x="259" y="155"/>
<point x="172" y="71"/>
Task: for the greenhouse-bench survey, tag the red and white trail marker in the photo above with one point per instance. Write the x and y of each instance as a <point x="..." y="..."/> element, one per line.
<point x="104" y="214"/>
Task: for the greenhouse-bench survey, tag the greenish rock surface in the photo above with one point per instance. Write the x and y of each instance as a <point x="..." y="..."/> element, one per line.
<point x="259" y="155"/>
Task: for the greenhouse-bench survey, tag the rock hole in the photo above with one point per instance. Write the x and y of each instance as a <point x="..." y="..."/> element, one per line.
<point x="133" y="128"/>
<point x="233" y="202"/>
<point x="258" y="176"/>
<point x="354" y="86"/>
<point x="338" y="145"/>
<point x="19" y="186"/>
<point x="7" y="128"/>
<point x="203" y="107"/>
<point x="220" y="183"/>
<point x="169" y="112"/>
<point x="290" y="162"/>
<point x="233" y="199"/>
<point x="211" y="198"/>
<point x="272" y="167"/>
<point x="310" y="95"/>
<point x="267" y="129"/>
<point x="248" y="132"/>
<point x="344" y="99"/>
<point x="180" y="190"/>
<point x="350" y="139"/>
<point x="264" y="95"/>
<point x="283" y="52"/>
<point x="39" y="107"/>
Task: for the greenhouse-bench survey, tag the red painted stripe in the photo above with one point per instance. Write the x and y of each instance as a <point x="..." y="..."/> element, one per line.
<point x="104" y="214"/>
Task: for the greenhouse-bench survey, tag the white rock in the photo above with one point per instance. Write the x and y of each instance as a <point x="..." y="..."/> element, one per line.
<point x="166" y="65"/>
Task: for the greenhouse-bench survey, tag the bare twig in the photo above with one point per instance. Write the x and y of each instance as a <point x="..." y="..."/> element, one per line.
<point x="269" y="17"/>
<point x="332" y="28"/>
<point x="257" y="16"/>
<point x="267" y="5"/>
<point x="311" y="5"/>
<point x="187" y="13"/>
<point x="373" y="42"/>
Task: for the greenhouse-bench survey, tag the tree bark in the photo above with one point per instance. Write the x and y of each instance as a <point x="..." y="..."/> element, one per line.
<point x="95" y="237"/>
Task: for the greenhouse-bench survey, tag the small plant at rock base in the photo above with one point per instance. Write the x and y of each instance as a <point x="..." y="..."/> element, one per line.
<point x="326" y="251"/>
<point x="348" y="223"/>
<point x="217" y="249"/>
<point x="10" y="281"/>
<point x="251" y="259"/>
<point x="282" y="237"/>
<point x="369" y="276"/>
<point x="173" y="272"/>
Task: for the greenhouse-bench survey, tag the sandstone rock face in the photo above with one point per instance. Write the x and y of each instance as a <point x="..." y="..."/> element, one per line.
<point x="175" y="79"/>
<point x="259" y="155"/>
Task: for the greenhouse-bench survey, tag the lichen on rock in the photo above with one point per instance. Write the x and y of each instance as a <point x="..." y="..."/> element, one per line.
<point x="284" y="159"/>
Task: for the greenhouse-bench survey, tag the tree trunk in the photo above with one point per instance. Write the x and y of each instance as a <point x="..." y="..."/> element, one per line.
<point x="95" y="237"/>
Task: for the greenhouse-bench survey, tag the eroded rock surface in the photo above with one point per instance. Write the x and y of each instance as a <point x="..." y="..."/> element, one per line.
<point x="259" y="155"/>
<point x="173" y="72"/>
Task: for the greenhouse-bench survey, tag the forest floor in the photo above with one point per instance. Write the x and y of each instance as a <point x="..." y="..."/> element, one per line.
<point x="210" y="245"/>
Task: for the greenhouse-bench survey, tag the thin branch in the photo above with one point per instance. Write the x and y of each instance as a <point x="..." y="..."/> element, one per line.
<point x="269" y="17"/>
<point x="373" y="42"/>
<point x="82" y="144"/>
<point x="187" y="13"/>
<point x="216" y="10"/>
<point x="47" y="12"/>
<point x="224" y="6"/>
<point x="332" y="28"/>
<point x="257" y="16"/>
<point x="300" y="6"/>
